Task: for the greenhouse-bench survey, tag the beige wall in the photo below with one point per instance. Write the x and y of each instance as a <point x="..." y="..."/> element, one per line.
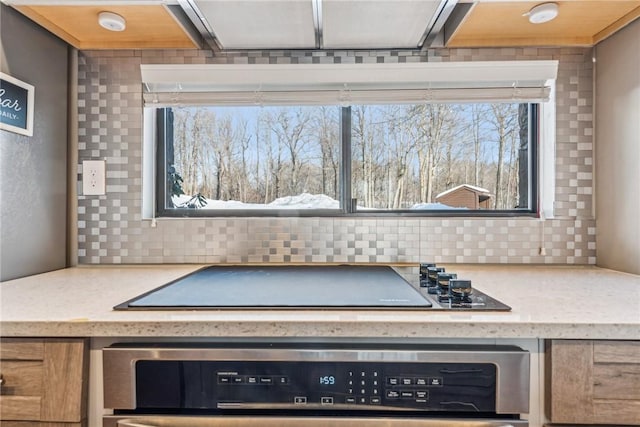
<point x="617" y="157"/>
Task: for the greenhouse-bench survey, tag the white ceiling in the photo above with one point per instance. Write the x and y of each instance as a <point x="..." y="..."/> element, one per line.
<point x="379" y="24"/>
<point x="312" y="24"/>
<point x="256" y="24"/>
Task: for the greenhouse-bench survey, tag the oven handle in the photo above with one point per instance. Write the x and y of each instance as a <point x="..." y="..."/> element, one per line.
<point x="297" y="421"/>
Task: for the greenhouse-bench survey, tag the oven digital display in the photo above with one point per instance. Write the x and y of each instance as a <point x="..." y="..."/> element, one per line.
<point x="327" y="380"/>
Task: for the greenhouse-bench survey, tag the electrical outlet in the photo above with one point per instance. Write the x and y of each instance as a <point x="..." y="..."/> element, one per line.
<point x="93" y="177"/>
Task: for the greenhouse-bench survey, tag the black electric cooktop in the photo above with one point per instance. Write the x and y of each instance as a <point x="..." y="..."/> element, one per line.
<point x="299" y="287"/>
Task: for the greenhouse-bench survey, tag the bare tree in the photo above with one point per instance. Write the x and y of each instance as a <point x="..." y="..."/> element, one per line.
<point x="434" y="125"/>
<point x="242" y="176"/>
<point x="511" y="200"/>
<point x="401" y="154"/>
<point x="363" y="143"/>
<point x="326" y="129"/>
<point x="223" y="152"/>
<point x="273" y="171"/>
<point x="503" y="120"/>
<point x="189" y="151"/>
<point x="478" y="114"/>
<point x="523" y="156"/>
<point x="371" y="155"/>
<point x="290" y="128"/>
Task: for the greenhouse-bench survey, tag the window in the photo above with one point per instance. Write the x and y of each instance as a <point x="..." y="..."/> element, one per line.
<point x="442" y="157"/>
<point x="376" y="159"/>
<point x="442" y="138"/>
<point x="245" y="159"/>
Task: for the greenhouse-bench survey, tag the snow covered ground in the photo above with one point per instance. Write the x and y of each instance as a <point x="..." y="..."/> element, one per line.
<point x="301" y="201"/>
<point x="435" y="206"/>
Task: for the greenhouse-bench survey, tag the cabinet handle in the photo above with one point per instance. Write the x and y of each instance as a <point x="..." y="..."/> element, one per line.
<point x="1" y="380"/>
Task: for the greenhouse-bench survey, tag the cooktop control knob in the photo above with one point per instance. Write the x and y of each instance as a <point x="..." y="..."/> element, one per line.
<point x="424" y="273"/>
<point x="432" y="275"/>
<point x="460" y="290"/>
<point x="449" y="292"/>
<point x="443" y="281"/>
<point x="444" y="284"/>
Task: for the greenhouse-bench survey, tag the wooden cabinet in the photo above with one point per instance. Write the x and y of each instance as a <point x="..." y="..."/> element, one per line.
<point x="43" y="380"/>
<point x="593" y="382"/>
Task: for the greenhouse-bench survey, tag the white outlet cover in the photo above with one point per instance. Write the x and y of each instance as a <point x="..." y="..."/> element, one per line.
<point x="93" y="177"/>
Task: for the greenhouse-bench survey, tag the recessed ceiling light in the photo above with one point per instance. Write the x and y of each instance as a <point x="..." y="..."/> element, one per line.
<point x="111" y="21"/>
<point x="542" y="13"/>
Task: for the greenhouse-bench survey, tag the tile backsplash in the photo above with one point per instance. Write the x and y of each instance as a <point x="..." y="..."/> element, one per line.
<point x="111" y="229"/>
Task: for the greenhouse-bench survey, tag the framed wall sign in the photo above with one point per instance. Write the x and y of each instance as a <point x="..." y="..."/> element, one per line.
<point x="16" y="105"/>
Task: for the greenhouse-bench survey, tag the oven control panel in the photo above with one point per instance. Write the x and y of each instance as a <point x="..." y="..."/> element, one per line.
<point x="316" y="378"/>
<point x="316" y="385"/>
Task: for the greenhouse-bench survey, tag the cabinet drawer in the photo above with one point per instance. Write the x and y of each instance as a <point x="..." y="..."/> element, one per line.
<point x="616" y="352"/>
<point x="21" y="366"/>
<point x="616" y="381"/>
<point x="43" y="380"/>
<point x="616" y="370"/>
<point x="22" y="349"/>
<point x="20" y="408"/>
<point x="32" y="424"/>
<point x="21" y="378"/>
<point x="593" y="382"/>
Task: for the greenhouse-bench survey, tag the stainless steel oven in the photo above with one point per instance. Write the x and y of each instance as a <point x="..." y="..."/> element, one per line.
<point x="315" y="385"/>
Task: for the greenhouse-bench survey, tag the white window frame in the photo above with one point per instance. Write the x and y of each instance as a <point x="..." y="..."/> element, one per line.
<point x="346" y="84"/>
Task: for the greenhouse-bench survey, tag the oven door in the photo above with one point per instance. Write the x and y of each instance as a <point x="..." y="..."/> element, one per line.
<point x="283" y="421"/>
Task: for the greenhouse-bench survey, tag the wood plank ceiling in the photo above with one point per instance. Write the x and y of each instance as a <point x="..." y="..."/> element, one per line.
<point x="151" y="25"/>
<point x="579" y="23"/>
<point x="148" y="26"/>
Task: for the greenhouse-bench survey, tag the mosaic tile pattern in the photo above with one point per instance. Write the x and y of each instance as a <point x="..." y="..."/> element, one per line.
<point x="111" y="229"/>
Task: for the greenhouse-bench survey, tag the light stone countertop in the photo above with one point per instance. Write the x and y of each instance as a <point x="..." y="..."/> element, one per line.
<point x="573" y="302"/>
